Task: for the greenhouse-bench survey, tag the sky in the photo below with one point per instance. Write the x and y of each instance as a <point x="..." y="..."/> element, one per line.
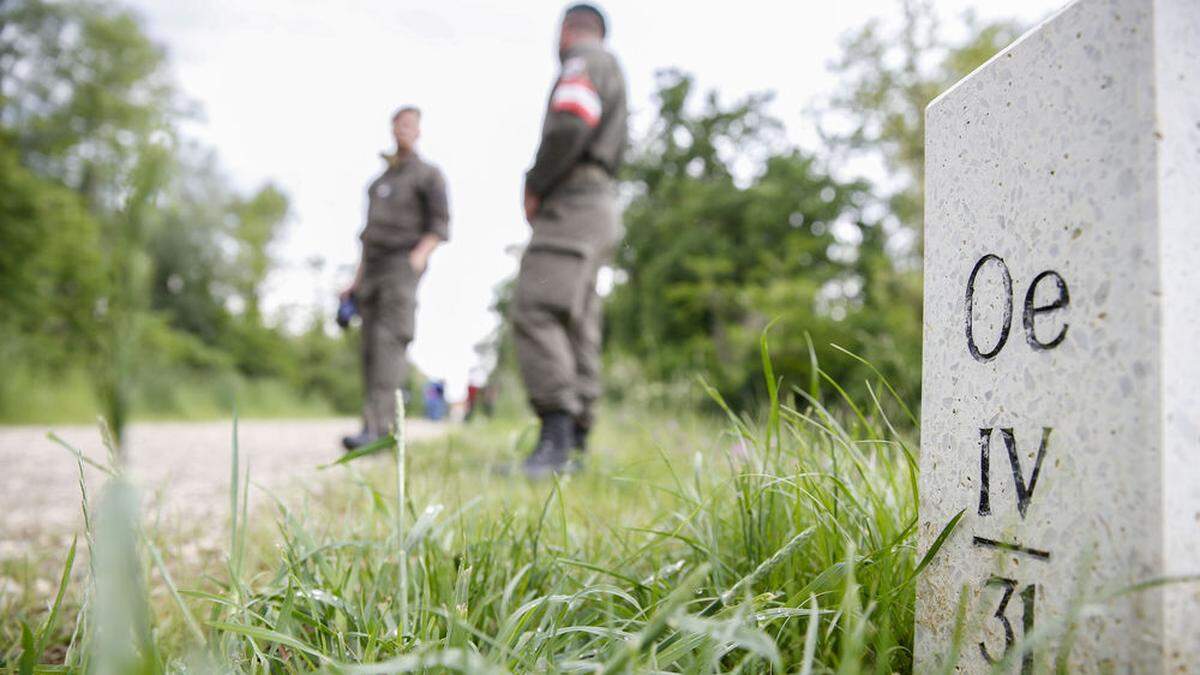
<point x="300" y="92"/>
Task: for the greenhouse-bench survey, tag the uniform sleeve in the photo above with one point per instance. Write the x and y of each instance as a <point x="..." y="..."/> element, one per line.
<point x="575" y="110"/>
<point x="437" y="207"/>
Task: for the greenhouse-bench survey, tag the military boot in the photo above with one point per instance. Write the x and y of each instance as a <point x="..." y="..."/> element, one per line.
<point x="553" y="451"/>
<point x="579" y="445"/>
<point x="355" y="442"/>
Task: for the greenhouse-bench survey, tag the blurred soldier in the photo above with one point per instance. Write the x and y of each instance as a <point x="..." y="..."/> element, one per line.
<point x="407" y="218"/>
<point x="570" y="202"/>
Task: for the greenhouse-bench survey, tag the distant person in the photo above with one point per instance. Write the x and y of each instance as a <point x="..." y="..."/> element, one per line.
<point x="570" y="202"/>
<point x="435" y="401"/>
<point x="472" y="401"/>
<point x="407" y="218"/>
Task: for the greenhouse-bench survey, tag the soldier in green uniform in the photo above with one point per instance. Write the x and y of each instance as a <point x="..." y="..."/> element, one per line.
<point x="570" y="202"/>
<point x="407" y="218"/>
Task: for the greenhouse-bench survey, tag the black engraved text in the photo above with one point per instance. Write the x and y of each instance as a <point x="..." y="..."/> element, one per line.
<point x="1028" y="600"/>
<point x="1024" y="489"/>
<point x="1032" y="311"/>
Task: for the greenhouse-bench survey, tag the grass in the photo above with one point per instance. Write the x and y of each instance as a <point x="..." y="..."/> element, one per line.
<point x="778" y="543"/>
<point x="28" y="397"/>
<point x="688" y="546"/>
<point x="783" y="543"/>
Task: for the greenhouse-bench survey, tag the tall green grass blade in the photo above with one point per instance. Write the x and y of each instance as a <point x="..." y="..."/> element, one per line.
<point x="602" y="570"/>
<point x="814" y="372"/>
<point x="913" y="467"/>
<point x="267" y="635"/>
<point x="764" y="351"/>
<point x="85" y="507"/>
<point x="188" y="618"/>
<point x="48" y="626"/>
<point x="457" y="660"/>
<point x="383" y="444"/>
<point x="401" y="485"/>
<point x="234" y="482"/>
<point x="111" y="443"/>
<point x="716" y="396"/>
<point x="123" y="641"/>
<point x="658" y="623"/>
<point x="810" y="636"/>
<point x="765" y="567"/>
<point x="847" y="400"/>
<point x="79" y="456"/>
<point x="886" y="383"/>
<point x="30" y="653"/>
<point x="461" y="608"/>
<point x="732" y="634"/>
<point x="935" y="546"/>
<point x="950" y="660"/>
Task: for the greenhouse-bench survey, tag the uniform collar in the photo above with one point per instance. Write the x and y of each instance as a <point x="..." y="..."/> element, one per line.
<point x="396" y="162"/>
<point x="582" y="48"/>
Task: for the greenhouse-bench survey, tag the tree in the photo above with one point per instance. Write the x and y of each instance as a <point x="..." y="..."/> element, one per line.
<point x="88" y="104"/>
<point x="84" y="91"/>
<point x="257" y="223"/>
<point x="889" y="76"/>
<point x="728" y="229"/>
<point x="191" y="267"/>
<point x="50" y="277"/>
<point x="119" y="241"/>
<point x="712" y="253"/>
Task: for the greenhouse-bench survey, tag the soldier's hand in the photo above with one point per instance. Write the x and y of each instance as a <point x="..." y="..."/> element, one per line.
<point x="532" y="204"/>
<point x="418" y="259"/>
<point x="347" y="292"/>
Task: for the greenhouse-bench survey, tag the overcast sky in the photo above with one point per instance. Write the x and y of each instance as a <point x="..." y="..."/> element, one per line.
<point x="299" y="92"/>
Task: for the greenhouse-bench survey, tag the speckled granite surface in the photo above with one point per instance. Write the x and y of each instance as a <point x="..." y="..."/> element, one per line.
<point x="1061" y="409"/>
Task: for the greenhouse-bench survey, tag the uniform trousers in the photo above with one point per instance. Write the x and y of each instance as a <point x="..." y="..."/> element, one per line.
<point x="556" y="313"/>
<point x="387" y="299"/>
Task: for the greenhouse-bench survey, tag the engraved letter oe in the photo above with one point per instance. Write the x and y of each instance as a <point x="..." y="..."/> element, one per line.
<point x="1030" y="312"/>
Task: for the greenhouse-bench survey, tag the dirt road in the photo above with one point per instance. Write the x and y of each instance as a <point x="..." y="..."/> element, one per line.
<point x="181" y="467"/>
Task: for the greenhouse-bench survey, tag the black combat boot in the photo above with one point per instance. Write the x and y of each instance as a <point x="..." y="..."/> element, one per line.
<point x="579" y="445"/>
<point x="355" y="442"/>
<point x="581" y="435"/>
<point x="553" y="451"/>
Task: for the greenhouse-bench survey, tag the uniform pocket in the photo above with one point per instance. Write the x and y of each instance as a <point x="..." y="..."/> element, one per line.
<point x="392" y="285"/>
<point x="553" y="278"/>
<point x="398" y="304"/>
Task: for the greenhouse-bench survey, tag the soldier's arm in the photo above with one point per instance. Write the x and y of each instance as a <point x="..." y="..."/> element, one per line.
<point x="575" y="111"/>
<point x="437" y="220"/>
<point x="437" y="206"/>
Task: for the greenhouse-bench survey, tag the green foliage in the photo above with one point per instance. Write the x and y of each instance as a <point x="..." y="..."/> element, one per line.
<point x="257" y="223"/>
<point x="729" y="229"/>
<point x="85" y="93"/>
<point x="712" y="255"/>
<point x="50" y="274"/>
<point x="328" y="368"/>
<point x="889" y="76"/>
<point x="124" y="254"/>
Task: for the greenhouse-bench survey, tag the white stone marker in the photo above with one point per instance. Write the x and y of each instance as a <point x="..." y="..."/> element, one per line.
<point x="1061" y="410"/>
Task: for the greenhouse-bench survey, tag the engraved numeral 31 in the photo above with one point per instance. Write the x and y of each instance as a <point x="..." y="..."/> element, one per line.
<point x="1028" y="598"/>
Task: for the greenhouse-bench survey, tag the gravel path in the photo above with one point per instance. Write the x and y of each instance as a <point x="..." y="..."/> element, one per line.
<point x="181" y="467"/>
